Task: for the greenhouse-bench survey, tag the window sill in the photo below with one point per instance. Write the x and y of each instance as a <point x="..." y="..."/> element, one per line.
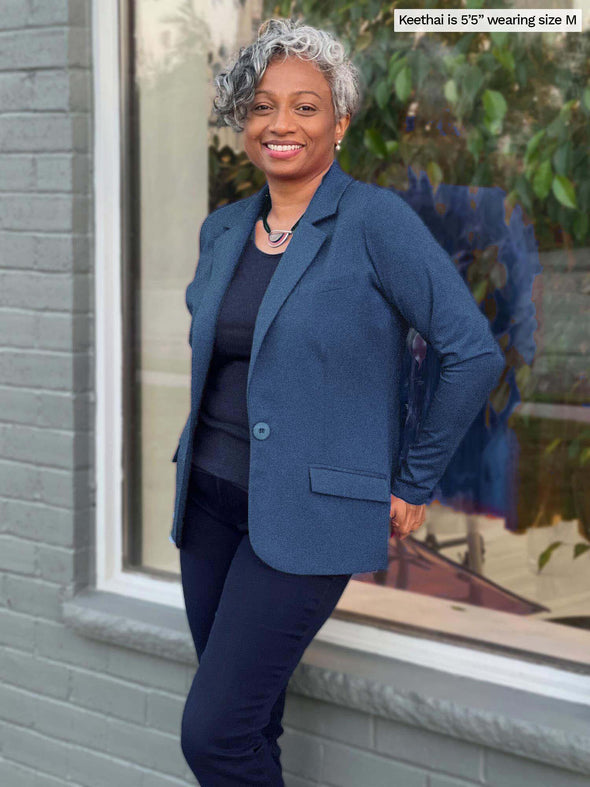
<point x="550" y="730"/>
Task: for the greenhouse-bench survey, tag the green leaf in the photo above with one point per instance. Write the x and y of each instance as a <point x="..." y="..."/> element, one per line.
<point x="580" y="548"/>
<point x="374" y="143"/>
<point x="552" y="446"/>
<point x="403" y="84"/>
<point x="499" y="38"/>
<point x="562" y="158"/>
<point x="435" y="174"/>
<point x="586" y="99"/>
<point x="564" y="191"/>
<point x="533" y="145"/>
<point x="450" y="89"/>
<point x="383" y="93"/>
<point x="494" y="105"/>
<point x="546" y="553"/>
<point x="543" y="179"/>
<point x="505" y="58"/>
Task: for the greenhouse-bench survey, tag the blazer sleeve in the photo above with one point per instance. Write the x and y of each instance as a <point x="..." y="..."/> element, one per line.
<point x="420" y="280"/>
<point x="201" y="269"/>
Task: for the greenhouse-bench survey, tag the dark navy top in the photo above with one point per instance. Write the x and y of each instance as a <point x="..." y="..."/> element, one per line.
<point x="222" y="434"/>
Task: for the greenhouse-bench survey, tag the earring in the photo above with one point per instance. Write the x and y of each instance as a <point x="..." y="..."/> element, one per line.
<point x="338" y="144"/>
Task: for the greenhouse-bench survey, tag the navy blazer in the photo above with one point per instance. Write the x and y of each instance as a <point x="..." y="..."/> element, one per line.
<point x="323" y="389"/>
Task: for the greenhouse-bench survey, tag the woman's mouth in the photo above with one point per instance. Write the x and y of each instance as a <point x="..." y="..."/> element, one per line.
<point x="282" y="151"/>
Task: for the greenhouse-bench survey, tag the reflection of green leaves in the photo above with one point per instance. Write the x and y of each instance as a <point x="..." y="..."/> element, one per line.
<point x="564" y="191"/>
<point x="549" y="449"/>
<point x="579" y="549"/>
<point x="494" y="105"/>
<point x="383" y="93"/>
<point x="403" y="84"/>
<point x="375" y="143"/>
<point x="451" y="94"/>
<point x="532" y="148"/>
<point x="543" y="179"/>
<point x="546" y="553"/>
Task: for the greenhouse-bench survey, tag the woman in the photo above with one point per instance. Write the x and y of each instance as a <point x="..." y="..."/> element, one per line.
<point x="287" y="463"/>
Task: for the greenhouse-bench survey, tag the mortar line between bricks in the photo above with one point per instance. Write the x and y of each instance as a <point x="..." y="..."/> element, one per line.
<point x="109" y="678"/>
<point x="43" y="504"/>
<point x="106" y="755"/>
<point x="36" y="771"/>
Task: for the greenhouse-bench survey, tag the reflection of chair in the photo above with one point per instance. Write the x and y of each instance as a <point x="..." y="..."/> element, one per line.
<point x="501" y="260"/>
<point x="415" y="567"/>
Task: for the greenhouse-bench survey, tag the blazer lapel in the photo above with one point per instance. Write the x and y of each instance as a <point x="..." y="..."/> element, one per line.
<point x="299" y="254"/>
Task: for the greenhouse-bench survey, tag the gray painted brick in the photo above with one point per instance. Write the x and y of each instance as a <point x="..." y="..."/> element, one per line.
<point x="13" y="774"/>
<point x="18" y="706"/>
<point x="41" y="48"/>
<point x="17" y="172"/>
<point x="64" y="409"/>
<point x="31" y="132"/>
<point x="506" y="770"/>
<point x="17" y="328"/>
<point x="296" y="781"/>
<point x="63" y="331"/>
<point x="325" y="719"/>
<point x="302" y="754"/>
<point x="17" y="630"/>
<point x="164" y="712"/>
<point x="70" y="724"/>
<point x="32" y="290"/>
<point x="17" y="250"/>
<point x="58" y="12"/>
<point x="14" y="14"/>
<point x="65" y="488"/>
<point x="34" y="673"/>
<point x="54" y="252"/>
<point x="18" y="480"/>
<point x="345" y="766"/>
<point x="428" y="749"/>
<point x="154" y="750"/>
<point x="438" y="780"/>
<point x="63" y="760"/>
<point x="18" y="406"/>
<point x="160" y="780"/>
<point x="45" y="212"/>
<point x="62" y="172"/>
<point x="33" y="596"/>
<point x="36" y="369"/>
<point x="17" y="555"/>
<point x="106" y="695"/>
<point x="59" y="643"/>
<point x="43" y="446"/>
<point x="147" y="671"/>
<point x="38" y="522"/>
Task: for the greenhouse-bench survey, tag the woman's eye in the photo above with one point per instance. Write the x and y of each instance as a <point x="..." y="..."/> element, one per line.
<point x="265" y="106"/>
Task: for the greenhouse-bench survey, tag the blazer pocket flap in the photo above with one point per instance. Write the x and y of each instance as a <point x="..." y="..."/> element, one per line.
<point x="323" y="284"/>
<point x="349" y="483"/>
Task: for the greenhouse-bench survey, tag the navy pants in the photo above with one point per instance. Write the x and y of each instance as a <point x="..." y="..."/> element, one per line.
<point x="251" y="624"/>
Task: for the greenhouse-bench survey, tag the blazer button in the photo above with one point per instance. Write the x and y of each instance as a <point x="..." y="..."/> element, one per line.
<point x="261" y="430"/>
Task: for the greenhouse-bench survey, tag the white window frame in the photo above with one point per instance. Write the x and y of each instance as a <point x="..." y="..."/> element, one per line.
<point x="446" y="657"/>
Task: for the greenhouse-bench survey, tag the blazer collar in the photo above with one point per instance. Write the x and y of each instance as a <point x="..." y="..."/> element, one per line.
<point x="297" y="256"/>
<point x="323" y="203"/>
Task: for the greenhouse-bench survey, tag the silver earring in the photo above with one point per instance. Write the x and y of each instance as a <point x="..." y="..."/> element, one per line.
<point x="338" y="144"/>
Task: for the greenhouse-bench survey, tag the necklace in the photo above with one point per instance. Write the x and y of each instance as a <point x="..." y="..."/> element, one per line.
<point x="275" y="237"/>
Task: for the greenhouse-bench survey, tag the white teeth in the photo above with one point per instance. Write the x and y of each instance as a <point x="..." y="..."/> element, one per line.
<point x="284" y="147"/>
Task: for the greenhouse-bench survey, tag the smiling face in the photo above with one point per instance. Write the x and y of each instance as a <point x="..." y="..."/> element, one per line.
<point x="292" y="106"/>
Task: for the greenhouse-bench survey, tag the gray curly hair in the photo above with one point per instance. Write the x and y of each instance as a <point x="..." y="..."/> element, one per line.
<point x="237" y="84"/>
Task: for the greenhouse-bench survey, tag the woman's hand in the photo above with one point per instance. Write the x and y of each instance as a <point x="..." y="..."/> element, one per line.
<point x="405" y="517"/>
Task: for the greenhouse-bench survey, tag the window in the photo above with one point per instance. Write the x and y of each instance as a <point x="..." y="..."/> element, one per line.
<point x="470" y="578"/>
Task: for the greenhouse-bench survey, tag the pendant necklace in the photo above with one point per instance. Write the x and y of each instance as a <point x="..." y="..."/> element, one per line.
<point x="275" y="237"/>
